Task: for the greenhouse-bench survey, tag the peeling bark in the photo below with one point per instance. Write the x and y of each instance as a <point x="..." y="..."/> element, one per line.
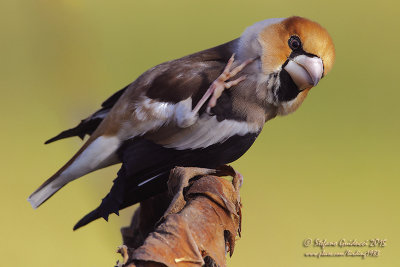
<point x="195" y="223"/>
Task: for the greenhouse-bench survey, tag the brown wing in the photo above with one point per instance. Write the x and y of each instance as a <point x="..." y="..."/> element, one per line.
<point x="171" y="82"/>
<point x="148" y="107"/>
<point x="147" y="103"/>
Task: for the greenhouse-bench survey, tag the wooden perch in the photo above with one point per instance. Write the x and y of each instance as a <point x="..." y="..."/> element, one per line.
<point x="195" y="223"/>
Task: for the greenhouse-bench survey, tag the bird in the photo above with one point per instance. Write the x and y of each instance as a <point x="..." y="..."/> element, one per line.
<point x="202" y="110"/>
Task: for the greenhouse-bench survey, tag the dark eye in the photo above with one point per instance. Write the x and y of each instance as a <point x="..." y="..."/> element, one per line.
<point x="294" y="42"/>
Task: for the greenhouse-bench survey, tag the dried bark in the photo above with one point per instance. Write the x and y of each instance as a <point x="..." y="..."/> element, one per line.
<point x="195" y="223"/>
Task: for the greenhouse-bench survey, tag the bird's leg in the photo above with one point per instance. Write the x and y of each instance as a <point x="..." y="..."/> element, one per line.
<point x="218" y="86"/>
<point x="186" y="117"/>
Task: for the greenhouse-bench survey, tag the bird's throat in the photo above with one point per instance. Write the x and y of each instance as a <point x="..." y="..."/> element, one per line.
<point x="287" y="90"/>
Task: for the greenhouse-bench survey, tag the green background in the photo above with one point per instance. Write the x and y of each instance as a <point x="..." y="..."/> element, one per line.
<point x="328" y="171"/>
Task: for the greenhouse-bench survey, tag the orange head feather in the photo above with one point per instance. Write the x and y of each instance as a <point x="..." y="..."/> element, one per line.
<point x="315" y="40"/>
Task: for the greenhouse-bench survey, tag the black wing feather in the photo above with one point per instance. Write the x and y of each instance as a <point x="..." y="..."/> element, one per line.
<point x="143" y="159"/>
<point x="90" y="124"/>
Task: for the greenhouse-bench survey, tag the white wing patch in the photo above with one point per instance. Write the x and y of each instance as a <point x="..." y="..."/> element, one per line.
<point x="208" y="131"/>
<point x="195" y="132"/>
<point x="150" y="108"/>
<point x="150" y="115"/>
<point x="180" y="113"/>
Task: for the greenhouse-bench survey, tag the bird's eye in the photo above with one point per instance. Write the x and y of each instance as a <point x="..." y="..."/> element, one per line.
<point x="294" y="42"/>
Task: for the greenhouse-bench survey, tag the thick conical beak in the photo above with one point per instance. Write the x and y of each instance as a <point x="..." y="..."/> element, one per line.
<point x="305" y="71"/>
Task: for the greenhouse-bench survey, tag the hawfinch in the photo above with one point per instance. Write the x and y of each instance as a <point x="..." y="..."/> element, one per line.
<point x="202" y="110"/>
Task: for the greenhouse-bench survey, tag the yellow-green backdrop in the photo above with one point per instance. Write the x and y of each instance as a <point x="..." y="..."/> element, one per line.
<point x="329" y="171"/>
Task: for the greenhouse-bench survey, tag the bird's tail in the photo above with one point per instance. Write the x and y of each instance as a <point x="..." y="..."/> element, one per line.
<point x="92" y="156"/>
<point x="46" y="190"/>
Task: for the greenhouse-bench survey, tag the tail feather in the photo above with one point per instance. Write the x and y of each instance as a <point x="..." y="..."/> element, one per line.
<point x="123" y="194"/>
<point x="94" y="155"/>
<point x="44" y="192"/>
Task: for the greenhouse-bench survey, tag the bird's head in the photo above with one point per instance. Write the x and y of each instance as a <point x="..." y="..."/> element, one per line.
<point x="295" y="53"/>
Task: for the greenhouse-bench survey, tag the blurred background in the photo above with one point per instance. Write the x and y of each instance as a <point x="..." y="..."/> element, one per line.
<point x="329" y="171"/>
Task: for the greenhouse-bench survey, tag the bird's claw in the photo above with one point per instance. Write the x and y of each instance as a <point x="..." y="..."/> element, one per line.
<point x="237" y="180"/>
<point x="220" y="84"/>
<point x="123" y="250"/>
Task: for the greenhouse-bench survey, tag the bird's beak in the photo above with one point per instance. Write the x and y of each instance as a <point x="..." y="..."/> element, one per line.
<point x="305" y="71"/>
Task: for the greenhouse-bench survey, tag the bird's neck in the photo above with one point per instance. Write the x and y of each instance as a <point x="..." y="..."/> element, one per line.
<point x="257" y="104"/>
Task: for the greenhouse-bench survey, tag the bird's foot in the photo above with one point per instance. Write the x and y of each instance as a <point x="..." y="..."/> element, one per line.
<point x="220" y="84"/>
<point x="238" y="180"/>
<point x="123" y="250"/>
<point x="184" y="115"/>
